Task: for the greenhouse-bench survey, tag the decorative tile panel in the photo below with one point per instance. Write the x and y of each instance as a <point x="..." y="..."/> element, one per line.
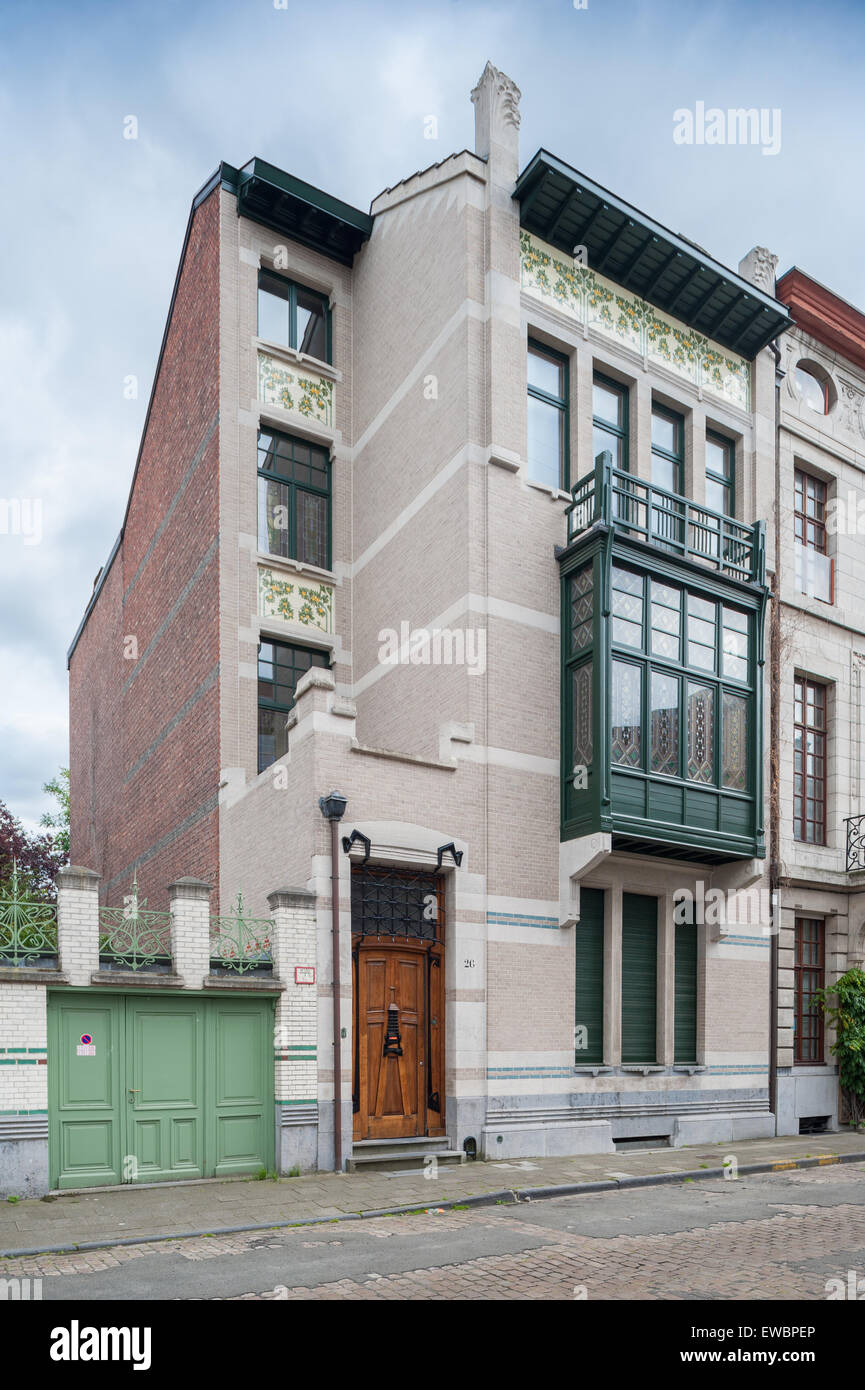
<point x="296" y="389"/>
<point x="589" y="298"/>
<point x="295" y="599"/>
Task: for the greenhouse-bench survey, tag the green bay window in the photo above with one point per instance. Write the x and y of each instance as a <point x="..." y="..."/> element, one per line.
<point x="547" y="416"/>
<point x="280" y="667"/>
<point x="293" y="316"/>
<point x="661" y="702"/>
<point x="293" y="498"/>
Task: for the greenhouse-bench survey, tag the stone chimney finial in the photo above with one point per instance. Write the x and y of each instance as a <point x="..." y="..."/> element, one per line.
<point x="497" y="113"/>
<point x="759" y="267"/>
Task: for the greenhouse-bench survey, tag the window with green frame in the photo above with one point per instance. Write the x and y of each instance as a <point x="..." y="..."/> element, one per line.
<point x="610" y="420"/>
<point x="280" y="667"/>
<point x="682" y="682"/>
<point x="720" y="474"/>
<point x="668" y="449"/>
<point x="293" y="498"/>
<point x="547" y="416"/>
<point x="293" y="316"/>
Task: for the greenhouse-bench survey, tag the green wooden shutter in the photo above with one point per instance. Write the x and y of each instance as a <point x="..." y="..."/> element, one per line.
<point x="589" y="992"/>
<point x="686" y="994"/>
<point x="639" y="979"/>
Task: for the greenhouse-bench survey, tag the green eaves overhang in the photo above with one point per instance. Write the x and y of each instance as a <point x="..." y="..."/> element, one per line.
<point x="288" y="205"/>
<point x="563" y="207"/>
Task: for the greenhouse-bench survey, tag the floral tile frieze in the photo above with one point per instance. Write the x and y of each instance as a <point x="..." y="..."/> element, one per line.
<point x="590" y="299"/>
<point x="299" y="390"/>
<point x="295" y="600"/>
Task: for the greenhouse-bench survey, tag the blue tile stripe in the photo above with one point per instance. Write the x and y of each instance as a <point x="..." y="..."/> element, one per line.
<point x="516" y="919"/>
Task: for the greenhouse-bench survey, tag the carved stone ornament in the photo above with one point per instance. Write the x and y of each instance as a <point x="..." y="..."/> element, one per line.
<point x="506" y="95"/>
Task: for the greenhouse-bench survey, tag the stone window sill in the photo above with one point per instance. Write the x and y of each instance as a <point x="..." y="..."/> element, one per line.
<point x="299" y="359"/>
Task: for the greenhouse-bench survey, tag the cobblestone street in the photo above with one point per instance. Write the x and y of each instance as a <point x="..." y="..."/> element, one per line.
<point x="779" y="1236"/>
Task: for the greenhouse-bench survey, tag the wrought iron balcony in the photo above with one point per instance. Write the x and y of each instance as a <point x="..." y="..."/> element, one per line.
<point x="855" y="842"/>
<point x="649" y="513"/>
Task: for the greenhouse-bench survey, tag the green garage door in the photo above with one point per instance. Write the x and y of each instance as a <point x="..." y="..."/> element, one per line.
<point x="146" y="1088"/>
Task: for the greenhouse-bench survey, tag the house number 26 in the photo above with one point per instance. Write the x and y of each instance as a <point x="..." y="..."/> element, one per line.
<point x="469" y="964"/>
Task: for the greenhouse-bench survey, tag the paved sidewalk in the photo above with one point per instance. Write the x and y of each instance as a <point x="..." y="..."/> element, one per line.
<point x="87" y="1220"/>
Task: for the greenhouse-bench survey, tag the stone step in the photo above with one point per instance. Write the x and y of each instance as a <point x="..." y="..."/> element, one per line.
<point x="401" y="1154"/>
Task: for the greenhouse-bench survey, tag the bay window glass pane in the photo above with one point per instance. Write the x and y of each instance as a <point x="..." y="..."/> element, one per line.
<point x="664" y="754"/>
<point x="627" y="608"/>
<point x="734" y="643"/>
<point x="627" y="700"/>
<point x="701" y="633"/>
<point x="546" y="442"/>
<point x="701" y="733"/>
<point x="273" y="517"/>
<point x="311" y="324"/>
<point x="581" y="689"/>
<point x="311" y="528"/>
<point x="734" y="742"/>
<point x="666" y="620"/>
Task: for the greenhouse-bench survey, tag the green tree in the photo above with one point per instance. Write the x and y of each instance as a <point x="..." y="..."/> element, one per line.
<point x="847" y="1016"/>
<point x="58" y="821"/>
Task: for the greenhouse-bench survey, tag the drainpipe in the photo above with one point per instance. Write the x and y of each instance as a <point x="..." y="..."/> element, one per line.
<point x="333" y="809"/>
<point x="774" y="757"/>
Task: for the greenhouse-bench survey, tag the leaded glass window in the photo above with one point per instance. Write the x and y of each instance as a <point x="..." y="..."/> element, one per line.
<point x="701" y="733"/>
<point x="734" y="741"/>
<point x="580" y="587"/>
<point x="664" y="754"/>
<point x="666" y="620"/>
<point x="627" y="608"/>
<point x="627" y="718"/>
<point x="581" y="690"/>
<point x="701" y="632"/>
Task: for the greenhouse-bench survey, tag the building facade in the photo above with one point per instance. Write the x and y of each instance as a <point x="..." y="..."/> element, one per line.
<point x="467" y="509"/>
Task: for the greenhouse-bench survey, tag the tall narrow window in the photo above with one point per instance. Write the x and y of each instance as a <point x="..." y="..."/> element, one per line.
<point x="668" y="450"/>
<point x="639" y="979"/>
<point x="627" y="717"/>
<point x="280" y="667"/>
<point x="589" y="991"/>
<point x="293" y="498"/>
<point x="814" y="567"/>
<point x="610" y="420"/>
<point x="293" y="315"/>
<point x="809" y="762"/>
<point x="685" y="994"/>
<point x="547" y="417"/>
<point x="809" y="970"/>
<point x="720" y="455"/>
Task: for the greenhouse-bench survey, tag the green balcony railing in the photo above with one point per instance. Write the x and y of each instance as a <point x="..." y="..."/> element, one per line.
<point x="28" y="928"/>
<point x="133" y="938"/>
<point x="650" y="513"/>
<point x="241" y="945"/>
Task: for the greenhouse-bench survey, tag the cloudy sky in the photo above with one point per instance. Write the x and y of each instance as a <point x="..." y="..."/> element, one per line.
<point x="336" y="93"/>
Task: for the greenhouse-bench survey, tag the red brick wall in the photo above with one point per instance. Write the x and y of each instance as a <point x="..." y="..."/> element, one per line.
<point x="141" y="765"/>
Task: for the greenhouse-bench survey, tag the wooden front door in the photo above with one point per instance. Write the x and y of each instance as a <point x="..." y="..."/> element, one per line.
<point x="391" y="1010"/>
